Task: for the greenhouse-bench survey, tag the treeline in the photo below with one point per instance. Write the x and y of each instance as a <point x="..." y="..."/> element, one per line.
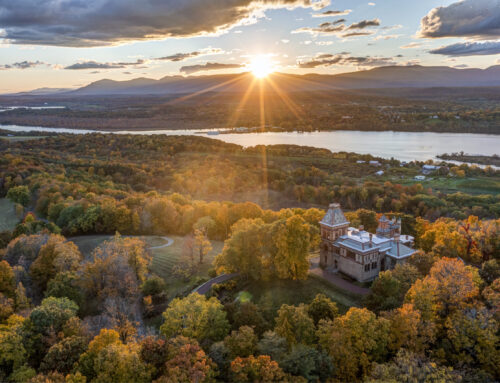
<point x="121" y="172"/>
<point x="311" y="111"/>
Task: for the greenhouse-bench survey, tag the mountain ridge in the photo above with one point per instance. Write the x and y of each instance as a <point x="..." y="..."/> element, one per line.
<point x="415" y="76"/>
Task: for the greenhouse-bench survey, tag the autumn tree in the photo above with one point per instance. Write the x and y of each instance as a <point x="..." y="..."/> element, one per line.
<point x="273" y="345"/>
<point x="412" y="367"/>
<point x="346" y="341"/>
<point x="7" y="280"/>
<point x="245" y="252"/>
<point x="322" y="307"/>
<point x="19" y="194"/>
<point x="242" y="342"/>
<point x="57" y="255"/>
<point x="202" y="244"/>
<point x="308" y="362"/>
<point x="450" y="286"/>
<point x="63" y="355"/>
<point x="13" y="354"/>
<point x="257" y="369"/>
<point x="291" y="240"/>
<point x="295" y="325"/>
<point x="195" y="317"/>
<point x="389" y="288"/>
<point x="187" y="363"/>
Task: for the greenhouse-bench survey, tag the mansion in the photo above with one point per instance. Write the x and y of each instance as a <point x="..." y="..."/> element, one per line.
<point x="358" y="253"/>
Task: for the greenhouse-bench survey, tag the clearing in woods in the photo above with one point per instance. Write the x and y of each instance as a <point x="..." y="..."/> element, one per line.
<point x="8" y="216"/>
<point x="164" y="258"/>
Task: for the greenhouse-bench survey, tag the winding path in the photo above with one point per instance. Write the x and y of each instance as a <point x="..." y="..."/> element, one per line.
<point x="169" y="242"/>
<point x="205" y="288"/>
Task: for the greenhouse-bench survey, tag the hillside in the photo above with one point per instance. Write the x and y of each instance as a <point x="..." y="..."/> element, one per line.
<point x="377" y="78"/>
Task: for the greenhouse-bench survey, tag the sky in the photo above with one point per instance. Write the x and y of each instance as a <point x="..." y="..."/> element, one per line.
<point x="70" y="43"/>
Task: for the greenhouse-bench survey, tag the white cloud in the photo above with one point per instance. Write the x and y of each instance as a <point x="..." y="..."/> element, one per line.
<point x="477" y="19"/>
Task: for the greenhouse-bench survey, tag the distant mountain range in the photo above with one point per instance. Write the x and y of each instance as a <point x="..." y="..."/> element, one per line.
<point x="377" y="78"/>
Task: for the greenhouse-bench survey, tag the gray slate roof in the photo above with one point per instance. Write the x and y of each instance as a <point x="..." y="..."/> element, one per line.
<point x="334" y="216"/>
<point x="404" y="251"/>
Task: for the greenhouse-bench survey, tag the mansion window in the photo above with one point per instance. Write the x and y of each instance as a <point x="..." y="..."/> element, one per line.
<point x="374" y="265"/>
<point x="367" y="267"/>
<point x="351" y="254"/>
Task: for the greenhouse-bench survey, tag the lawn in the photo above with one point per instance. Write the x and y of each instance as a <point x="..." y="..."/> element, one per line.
<point x="273" y="294"/>
<point x="21" y="138"/>
<point x="164" y="259"/>
<point x="470" y="185"/>
<point x="8" y="216"/>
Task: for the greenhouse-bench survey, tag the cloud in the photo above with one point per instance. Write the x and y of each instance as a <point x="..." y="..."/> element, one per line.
<point x="332" y="13"/>
<point x="22" y="65"/>
<point x="334" y="28"/>
<point x="387" y="37"/>
<point x="356" y="34"/>
<point x="83" y="65"/>
<point x="469" y="49"/>
<point x="87" y="23"/>
<point x="190" y="69"/>
<point x="411" y="45"/>
<point x="477" y="19"/>
<point x="184" y="56"/>
<point x="323" y="29"/>
<point x="345" y="59"/>
<point x="365" y="24"/>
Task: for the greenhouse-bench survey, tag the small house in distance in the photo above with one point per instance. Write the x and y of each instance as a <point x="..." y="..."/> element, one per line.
<point x="358" y="253"/>
<point x="428" y="169"/>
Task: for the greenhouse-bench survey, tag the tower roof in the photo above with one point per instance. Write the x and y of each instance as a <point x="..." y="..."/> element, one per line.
<point x="334" y="216"/>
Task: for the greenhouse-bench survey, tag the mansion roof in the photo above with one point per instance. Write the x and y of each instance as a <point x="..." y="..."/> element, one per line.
<point x="363" y="242"/>
<point x="334" y="216"/>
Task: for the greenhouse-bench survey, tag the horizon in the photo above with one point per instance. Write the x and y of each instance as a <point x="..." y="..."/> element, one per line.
<point x="51" y="48"/>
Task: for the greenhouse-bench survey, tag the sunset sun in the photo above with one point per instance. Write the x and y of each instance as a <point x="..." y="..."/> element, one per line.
<point x="261" y="66"/>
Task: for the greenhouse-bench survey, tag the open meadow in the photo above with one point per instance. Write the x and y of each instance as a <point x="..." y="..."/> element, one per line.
<point x="8" y="216"/>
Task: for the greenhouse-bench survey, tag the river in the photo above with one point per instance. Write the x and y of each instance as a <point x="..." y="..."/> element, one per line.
<point x="404" y="146"/>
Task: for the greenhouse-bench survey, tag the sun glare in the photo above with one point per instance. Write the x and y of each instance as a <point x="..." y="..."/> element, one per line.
<point x="261" y="66"/>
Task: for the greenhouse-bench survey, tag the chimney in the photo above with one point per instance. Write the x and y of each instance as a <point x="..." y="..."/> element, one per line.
<point x="396" y="239"/>
<point x="371" y="237"/>
<point x="361" y="228"/>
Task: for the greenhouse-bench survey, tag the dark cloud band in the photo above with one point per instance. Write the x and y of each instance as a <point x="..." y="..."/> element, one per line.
<point x="90" y="23"/>
<point x="345" y="59"/>
<point x="469" y="49"/>
<point x="190" y="69"/>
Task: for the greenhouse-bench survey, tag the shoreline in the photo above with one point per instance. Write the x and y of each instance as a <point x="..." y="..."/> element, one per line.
<point x="220" y="131"/>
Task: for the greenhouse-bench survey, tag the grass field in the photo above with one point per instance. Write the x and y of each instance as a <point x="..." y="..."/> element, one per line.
<point x="8" y="216"/>
<point x="164" y="259"/>
<point x="477" y="185"/>
<point x="21" y="138"/>
<point x="277" y="292"/>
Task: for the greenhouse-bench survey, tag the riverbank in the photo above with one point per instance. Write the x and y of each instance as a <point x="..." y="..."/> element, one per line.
<point x="493" y="160"/>
<point x="403" y="146"/>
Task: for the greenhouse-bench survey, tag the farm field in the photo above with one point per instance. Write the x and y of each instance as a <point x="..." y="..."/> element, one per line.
<point x="475" y="186"/>
<point x="8" y="216"/>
